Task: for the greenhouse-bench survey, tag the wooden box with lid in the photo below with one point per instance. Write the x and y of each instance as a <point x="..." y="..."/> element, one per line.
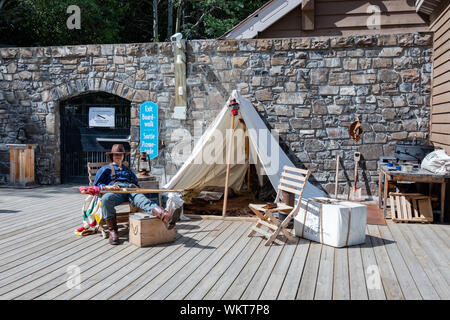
<point x="147" y="230"/>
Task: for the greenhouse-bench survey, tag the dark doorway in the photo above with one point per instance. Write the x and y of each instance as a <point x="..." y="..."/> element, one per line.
<point x="83" y="141"/>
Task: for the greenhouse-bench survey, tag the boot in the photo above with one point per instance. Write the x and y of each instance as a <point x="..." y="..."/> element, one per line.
<point x="113" y="231"/>
<point x="168" y="219"/>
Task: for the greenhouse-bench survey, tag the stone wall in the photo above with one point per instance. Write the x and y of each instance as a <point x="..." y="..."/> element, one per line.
<point x="309" y="89"/>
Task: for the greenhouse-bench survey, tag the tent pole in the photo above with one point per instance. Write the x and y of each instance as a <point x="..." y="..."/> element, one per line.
<point x="247" y="155"/>
<point x="230" y="145"/>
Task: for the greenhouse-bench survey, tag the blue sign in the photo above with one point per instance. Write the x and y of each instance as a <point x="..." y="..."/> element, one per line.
<point x="149" y="128"/>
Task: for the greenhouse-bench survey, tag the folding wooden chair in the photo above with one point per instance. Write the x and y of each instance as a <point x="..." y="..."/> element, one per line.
<point x="292" y="182"/>
<point x="122" y="217"/>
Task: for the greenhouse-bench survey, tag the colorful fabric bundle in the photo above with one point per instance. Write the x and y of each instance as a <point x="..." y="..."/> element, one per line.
<point x="92" y="215"/>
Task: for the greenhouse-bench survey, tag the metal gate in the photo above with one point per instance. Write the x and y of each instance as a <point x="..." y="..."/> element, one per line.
<point x="81" y="143"/>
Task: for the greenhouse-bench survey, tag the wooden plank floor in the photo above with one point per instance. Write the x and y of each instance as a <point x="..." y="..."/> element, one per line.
<point x="210" y="259"/>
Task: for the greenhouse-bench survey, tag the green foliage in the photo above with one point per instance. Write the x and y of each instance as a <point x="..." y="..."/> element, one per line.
<point x="43" y="22"/>
<point x="138" y="21"/>
<point x="212" y="18"/>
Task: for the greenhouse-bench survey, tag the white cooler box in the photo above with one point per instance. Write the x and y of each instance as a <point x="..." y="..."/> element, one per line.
<point x="333" y="222"/>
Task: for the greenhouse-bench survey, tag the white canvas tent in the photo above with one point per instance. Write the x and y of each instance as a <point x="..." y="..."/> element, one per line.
<point x="206" y="165"/>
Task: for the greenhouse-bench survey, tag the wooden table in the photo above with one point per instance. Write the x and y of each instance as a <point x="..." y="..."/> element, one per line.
<point x="424" y="176"/>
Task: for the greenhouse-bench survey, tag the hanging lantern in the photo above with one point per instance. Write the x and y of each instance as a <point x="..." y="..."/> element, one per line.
<point x="144" y="164"/>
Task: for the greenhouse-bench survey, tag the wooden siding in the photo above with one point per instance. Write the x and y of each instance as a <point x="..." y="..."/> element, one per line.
<point x="344" y="17"/>
<point x="440" y="100"/>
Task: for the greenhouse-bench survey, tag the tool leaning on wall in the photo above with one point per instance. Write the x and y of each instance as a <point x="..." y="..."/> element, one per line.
<point x="355" y="193"/>
<point x="355" y="131"/>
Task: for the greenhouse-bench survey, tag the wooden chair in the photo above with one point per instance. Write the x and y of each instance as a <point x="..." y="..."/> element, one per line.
<point x="292" y="182"/>
<point x="122" y="217"/>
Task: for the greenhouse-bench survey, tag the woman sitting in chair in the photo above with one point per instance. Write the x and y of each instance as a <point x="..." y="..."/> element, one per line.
<point x="115" y="176"/>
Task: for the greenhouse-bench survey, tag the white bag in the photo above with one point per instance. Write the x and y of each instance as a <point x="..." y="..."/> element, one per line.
<point x="437" y="162"/>
<point x="332" y="222"/>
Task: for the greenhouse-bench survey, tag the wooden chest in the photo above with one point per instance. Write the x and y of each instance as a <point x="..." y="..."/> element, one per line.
<point x="147" y="231"/>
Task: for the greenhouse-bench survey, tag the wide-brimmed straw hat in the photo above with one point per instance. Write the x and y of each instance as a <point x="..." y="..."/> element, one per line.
<point x="117" y="148"/>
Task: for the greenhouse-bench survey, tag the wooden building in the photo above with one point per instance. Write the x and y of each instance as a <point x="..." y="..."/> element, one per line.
<point x="298" y="18"/>
<point x="439" y="17"/>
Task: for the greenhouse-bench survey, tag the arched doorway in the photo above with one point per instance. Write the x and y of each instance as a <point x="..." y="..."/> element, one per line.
<point x="90" y="124"/>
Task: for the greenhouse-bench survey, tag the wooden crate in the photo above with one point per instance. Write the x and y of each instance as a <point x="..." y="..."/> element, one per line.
<point x="149" y="231"/>
<point x="410" y="207"/>
<point x="21" y="161"/>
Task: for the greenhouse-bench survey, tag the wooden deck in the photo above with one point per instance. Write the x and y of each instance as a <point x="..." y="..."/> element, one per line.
<point x="211" y="259"/>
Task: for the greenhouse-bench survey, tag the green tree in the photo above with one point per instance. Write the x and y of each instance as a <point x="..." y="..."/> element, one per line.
<point x="212" y="18"/>
<point x="43" y="22"/>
